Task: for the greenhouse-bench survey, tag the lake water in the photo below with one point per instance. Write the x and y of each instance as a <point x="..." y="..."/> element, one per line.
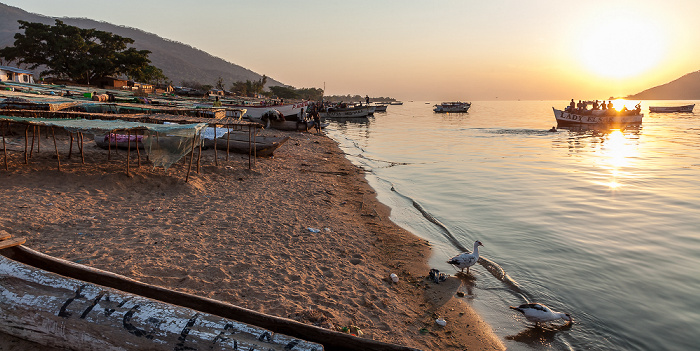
<point x="603" y="225"/>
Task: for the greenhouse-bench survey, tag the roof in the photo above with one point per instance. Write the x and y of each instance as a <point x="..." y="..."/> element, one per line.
<point x="15" y="69"/>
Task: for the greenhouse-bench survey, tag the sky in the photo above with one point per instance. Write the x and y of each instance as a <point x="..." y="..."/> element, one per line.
<point x="428" y="50"/>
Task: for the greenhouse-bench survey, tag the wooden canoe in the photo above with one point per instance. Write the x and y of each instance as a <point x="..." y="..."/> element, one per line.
<point x="264" y="146"/>
<point x="64" y="304"/>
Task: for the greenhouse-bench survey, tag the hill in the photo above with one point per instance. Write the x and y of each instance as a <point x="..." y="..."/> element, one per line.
<point x="179" y="62"/>
<point x="683" y="88"/>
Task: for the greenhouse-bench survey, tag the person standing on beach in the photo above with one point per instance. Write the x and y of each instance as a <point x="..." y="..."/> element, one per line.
<point x="317" y="119"/>
<point x="367" y="99"/>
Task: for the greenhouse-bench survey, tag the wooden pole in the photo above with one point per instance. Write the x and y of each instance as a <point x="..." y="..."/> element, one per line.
<point x="58" y="157"/>
<point x="187" y="178"/>
<point x="128" y="151"/>
<point x="228" y="139"/>
<point x="109" y="145"/>
<point x="216" y="157"/>
<point x="4" y="148"/>
<point x="70" y="149"/>
<point x="31" y="150"/>
<point x="138" y="151"/>
<point x="250" y="146"/>
<point x="26" y="146"/>
<point x="82" y="155"/>
<point x="38" y="138"/>
<point x="199" y="156"/>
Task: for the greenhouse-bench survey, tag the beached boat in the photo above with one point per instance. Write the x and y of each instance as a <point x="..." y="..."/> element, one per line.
<point x="671" y="109"/>
<point x="598" y="118"/>
<point x="63" y="304"/>
<point x="357" y="111"/>
<point x="120" y="141"/>
<point x="240" y="142"/>
<point x="453" y="106"/>
<point x="256" y="111"/>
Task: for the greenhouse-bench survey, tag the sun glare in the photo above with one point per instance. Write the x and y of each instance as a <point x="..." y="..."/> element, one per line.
<point x="620" y="46"/>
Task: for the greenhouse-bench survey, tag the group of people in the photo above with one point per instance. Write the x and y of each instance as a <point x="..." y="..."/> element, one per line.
<point x="582" y="107"/>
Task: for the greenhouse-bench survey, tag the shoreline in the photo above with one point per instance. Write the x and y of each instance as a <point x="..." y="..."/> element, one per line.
<point x="250" y="245"/>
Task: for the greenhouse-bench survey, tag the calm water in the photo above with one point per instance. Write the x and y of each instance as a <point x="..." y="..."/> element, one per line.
<point x="603" y="225"/>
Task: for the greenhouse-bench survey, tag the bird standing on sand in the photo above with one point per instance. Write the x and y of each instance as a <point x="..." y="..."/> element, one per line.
<point x="539" y="313"/>
<point x="466" y="259"/>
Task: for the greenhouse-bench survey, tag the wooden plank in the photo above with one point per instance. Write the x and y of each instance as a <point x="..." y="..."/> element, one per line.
<point x="12" y="242"/>
<point x="4" y="235"/>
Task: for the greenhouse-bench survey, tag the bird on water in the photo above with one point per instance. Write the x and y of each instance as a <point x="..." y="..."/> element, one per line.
<point x="539" y="313"/>
<point x="466" y="259"/>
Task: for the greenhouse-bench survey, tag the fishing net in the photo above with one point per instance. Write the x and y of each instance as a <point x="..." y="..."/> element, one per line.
<point x="164" y="143"/>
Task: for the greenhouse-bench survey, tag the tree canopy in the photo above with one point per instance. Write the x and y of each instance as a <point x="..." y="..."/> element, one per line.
<point x="79" y="54"/>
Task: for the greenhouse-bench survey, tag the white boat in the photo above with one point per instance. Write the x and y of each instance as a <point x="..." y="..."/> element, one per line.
<point x="359" y="111"/>
<point x="453" y="106"/>
<point x="598" y="118"/>
<point x="380" y="108"/>
<point x="256" y="111"/>
<point x="671" y="109"/>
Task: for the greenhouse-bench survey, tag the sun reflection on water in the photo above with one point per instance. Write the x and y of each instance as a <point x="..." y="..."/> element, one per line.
<point x="617" y="152"/>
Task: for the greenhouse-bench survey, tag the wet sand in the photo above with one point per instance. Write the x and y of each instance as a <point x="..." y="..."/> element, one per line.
<point x="300" y="236"/>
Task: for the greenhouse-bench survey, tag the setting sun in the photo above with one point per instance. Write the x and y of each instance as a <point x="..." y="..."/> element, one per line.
<point x="620" y="46"/>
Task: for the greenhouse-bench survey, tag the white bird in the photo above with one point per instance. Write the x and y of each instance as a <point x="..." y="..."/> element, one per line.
<point x="466" y="259"/>
<point x="539" y="313"/>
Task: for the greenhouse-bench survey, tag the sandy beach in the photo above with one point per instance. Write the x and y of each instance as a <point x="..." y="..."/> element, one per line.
<point x="300" y="236"/>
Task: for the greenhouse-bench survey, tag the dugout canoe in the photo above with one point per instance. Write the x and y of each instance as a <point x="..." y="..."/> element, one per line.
<point x="60" y="303"/>
<point x="261" y="146"/>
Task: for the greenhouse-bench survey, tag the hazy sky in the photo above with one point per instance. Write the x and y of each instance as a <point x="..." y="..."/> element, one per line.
<point x="428" y="50"/>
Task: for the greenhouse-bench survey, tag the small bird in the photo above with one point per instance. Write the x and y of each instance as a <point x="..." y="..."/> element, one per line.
<point x="539" y="313"/>
<point x="466" y="259"/>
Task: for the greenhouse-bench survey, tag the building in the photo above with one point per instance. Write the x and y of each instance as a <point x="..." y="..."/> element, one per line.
<point x="17" y="75"/>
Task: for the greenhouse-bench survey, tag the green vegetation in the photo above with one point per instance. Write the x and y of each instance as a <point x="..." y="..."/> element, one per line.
<point x="356" y="98"/>
<point x="313" y="94"/>
<point x="249" y="88"/>
<point x="81" y="55"/>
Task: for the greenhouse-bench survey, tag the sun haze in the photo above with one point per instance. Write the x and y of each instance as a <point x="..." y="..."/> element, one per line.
<point x="417" y="50"/>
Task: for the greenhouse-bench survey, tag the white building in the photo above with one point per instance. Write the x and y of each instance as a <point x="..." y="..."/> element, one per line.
<point x="13" y="74"/>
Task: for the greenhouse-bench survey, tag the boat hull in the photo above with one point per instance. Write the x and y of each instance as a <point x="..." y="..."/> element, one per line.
<point x="597" y="118"/>
<point x="452" y="107"/>
<point x="671" y="109"/>
<point x="59" y="311"/>
<point x="354" y="112"/>
<point x="36" y="264"/>
<point x="260" y="147"/>
<point x="286" y="109"/>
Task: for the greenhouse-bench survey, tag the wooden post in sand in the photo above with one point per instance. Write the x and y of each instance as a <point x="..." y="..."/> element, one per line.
<point x="31" y="149"/>
<point x="82" y="155"/>
<point x="228" y="139"/>
<point x="70" y="149"/>
<point x="58" y="157"/>
<point x="187" y="178"/>
<point x="109" y="145"/>
<point x="4" y="148"/>
<point x="138" y="151"/>
<point x="128" y="151"/>
<point x="216" y="157"/>
<point x="199" y="155"/>
<point x="26" y="146"/>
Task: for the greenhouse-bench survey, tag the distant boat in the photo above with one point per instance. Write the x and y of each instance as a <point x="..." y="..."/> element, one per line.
<point x="671" y="109"/>
<point x="453" y="107"/>
<point x="380" y="108"/>
<point x="598" y="118"/>
<point x="241" y="143"/>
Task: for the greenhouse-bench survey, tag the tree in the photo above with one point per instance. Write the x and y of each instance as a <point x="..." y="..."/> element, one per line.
<point x="78" y="54"/>
<point x="220" y="84"/>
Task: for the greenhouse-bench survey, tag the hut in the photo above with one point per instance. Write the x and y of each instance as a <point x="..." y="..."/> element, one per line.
<point x="14" y="74"/>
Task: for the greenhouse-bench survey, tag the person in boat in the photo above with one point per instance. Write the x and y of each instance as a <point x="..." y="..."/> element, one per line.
<point x="596" y="105"/>
<point x="367" y="99"/>
<point x="572" y="105"/>
<point x="638" y="107"/>
<point x="603" y="106"/>
<point x="580" y="106"/>
<point x="553" y="129"/>
<point x="610" y="105"/>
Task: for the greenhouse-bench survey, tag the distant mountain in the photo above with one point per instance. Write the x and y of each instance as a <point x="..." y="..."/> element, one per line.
<point x="683" y="88"/>
<point x="179" y="62"/>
